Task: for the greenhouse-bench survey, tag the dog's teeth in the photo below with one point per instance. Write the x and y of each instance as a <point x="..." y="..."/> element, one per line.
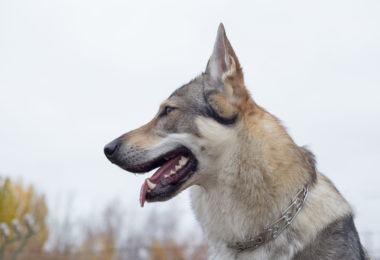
<point x="183" y="160"/>
<point x="151" y="185"/>
<point x="170" y="173"/>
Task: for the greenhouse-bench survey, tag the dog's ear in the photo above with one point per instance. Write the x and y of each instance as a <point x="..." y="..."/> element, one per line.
<point x="223" y="61"/>
<point x="225" y="88"/>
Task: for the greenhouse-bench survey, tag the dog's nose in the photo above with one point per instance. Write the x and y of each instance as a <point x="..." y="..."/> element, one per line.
<point x="111" y="148"/>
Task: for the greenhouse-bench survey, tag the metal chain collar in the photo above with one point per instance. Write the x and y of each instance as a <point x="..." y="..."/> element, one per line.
<point x="275" y="229"/>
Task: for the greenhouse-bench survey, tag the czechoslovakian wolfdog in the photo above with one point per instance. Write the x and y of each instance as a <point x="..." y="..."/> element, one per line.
<point x="256" y="194"/>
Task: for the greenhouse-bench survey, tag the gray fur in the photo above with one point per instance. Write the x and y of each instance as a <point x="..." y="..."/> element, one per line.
<point x="339" y="240"/>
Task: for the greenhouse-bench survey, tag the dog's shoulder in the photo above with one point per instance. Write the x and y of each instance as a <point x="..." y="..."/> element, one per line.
<point x="327" y="224"/>
<point x="339" y="240"/>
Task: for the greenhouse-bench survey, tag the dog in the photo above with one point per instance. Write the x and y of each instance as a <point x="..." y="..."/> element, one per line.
<point x="255" y="193"/>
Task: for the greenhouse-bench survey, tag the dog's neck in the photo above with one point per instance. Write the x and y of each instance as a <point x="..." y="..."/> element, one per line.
<point x="272" y="231"/>
<point x="257" y="177"/>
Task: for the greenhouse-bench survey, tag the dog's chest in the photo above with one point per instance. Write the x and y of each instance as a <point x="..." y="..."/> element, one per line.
<point x="219" y="217"/>
<point x="224" y="222"/>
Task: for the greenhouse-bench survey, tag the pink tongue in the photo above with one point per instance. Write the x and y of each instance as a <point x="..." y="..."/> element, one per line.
<point x="164" y="169"/>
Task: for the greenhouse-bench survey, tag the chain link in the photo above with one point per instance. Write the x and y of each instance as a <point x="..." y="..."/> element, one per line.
<point x="275" y="229"/>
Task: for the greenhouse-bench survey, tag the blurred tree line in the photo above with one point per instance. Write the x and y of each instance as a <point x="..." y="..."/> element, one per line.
<point x="110" y="236"/>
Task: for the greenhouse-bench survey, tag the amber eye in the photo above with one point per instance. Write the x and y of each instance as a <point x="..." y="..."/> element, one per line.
<point x="167" y="110"/>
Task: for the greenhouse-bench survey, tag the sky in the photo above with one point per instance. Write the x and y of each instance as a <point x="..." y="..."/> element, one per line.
<point x="75" y="74"/>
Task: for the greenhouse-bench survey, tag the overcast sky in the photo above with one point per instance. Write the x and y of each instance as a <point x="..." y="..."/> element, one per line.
<point x="75" y="74"/>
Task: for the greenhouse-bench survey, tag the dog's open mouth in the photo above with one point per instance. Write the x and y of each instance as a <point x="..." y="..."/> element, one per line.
<point x="175" y="168"/>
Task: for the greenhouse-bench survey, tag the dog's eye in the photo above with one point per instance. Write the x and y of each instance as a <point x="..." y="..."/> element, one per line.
<point x="167" y="110"/>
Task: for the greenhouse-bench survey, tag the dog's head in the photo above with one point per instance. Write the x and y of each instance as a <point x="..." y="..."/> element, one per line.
<point x="191" y="130"/>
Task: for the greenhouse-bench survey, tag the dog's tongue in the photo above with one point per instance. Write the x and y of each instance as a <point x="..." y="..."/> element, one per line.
<point x="163" y="170"/>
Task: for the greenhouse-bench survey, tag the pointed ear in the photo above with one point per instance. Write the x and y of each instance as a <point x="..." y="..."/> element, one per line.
<point x="225" y="91"/>
<point x="223" y="62"/>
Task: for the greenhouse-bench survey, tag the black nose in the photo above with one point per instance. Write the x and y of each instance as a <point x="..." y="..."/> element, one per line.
<point x="111" y="148"/>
